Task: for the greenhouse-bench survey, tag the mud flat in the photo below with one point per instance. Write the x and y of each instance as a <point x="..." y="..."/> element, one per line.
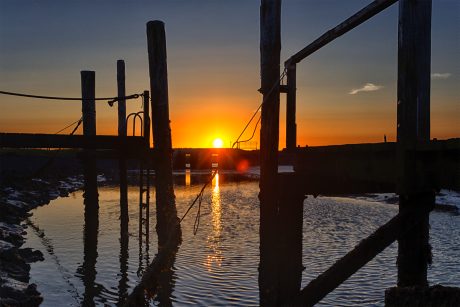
<point x="17" y="198"/>
<point x="27" y="180"/>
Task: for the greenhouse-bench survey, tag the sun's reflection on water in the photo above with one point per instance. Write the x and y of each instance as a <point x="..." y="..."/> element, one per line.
<point x="214" y="259"/>
<point x="188" y="179"/>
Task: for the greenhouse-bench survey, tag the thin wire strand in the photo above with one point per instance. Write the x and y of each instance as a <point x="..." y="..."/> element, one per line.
<point x="253" y="132"/>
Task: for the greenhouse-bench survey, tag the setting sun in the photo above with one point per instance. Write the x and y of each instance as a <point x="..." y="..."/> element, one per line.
<point x="217" y="143"/>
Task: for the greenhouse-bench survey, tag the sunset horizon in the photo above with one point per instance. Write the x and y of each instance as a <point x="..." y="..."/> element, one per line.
<point x="346" y="93"/>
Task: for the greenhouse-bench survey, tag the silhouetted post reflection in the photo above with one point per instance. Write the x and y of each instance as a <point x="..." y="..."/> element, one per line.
<point x="90" y="232"/>
<point x="90" y="195"/>
<point x="123" y="180"/>
<point x="124" y="233"/>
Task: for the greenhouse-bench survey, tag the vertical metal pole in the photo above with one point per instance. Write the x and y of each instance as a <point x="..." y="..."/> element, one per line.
<point x="413" y="127"/>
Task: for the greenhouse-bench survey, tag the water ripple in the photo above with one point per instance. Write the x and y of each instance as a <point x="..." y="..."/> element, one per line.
<point x="218" y="266"/>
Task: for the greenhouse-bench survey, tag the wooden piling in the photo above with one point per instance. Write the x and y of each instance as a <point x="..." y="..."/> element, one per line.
<point x="121" y="102"/>
<point x="90" y="194"/>
<point x="270" y="48"/>
<point x="88" y="93"/>
<point x="413" y="127"/>
<point x="167" y="220"/>
<point x="123" y="175"/>
<point x="291" y="126"/>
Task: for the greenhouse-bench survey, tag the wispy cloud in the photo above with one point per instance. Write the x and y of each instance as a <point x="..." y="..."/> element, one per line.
<point x="368" y="87"/>
<point x="440" y="76"/>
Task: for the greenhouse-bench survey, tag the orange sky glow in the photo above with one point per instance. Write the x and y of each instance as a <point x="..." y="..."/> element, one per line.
<point x="346" y="93"/>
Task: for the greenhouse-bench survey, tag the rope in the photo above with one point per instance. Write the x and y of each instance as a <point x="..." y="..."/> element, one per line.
<point x="55" y="154"/>
<point x="282" y="75"/>
<point x="196" y="224"/>
<point x="70" y="125"/>
<point x="198" y="198"/>
<point x="110" y="99"/>
<point x="253" y="132"/>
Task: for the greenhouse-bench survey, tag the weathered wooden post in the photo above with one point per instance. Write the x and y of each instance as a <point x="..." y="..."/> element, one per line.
<point x="121" y="102"/>
<point x="291" y="127"/>
<point x="90" y="194"/>
<point x="88" y="88"/>
<point x="413" y="127"/>
<point x="167" y="220"/>
<point x="270" y="48"/>
<point x="88" y="85"/>
<point x="123" y="176"/>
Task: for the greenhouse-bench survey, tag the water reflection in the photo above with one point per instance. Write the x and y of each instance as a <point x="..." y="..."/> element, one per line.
<point x="214" y="259"/>
<point x="124" y="234"/>
<point x="144" y="220"/>
<point x="90" y="233"/>
<point x="188" y="180"/>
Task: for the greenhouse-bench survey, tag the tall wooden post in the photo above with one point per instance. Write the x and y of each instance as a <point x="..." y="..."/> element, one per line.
<point x="291" y="126"/>
<point x="413" y="127"/>
<point x="121" y="102"/>
<point x="88" y="89"/>
<point x="270" y="48"/>
<point x="123" y="176"/>
<point x="88" y="93"/>
<point x="167" y="220"/>
<point x="90" y="194"/>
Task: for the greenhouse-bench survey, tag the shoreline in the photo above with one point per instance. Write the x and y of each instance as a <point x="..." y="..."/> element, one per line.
<point x="18" y="197"/>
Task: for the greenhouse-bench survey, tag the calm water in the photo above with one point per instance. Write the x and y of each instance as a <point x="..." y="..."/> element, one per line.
<point x="218" y="266"/>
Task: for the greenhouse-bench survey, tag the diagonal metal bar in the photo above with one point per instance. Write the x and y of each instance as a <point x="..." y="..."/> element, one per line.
<point x="366" y="13"/>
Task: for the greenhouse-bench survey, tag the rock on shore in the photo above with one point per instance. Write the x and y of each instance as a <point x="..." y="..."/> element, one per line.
<point x="17" y="198"/>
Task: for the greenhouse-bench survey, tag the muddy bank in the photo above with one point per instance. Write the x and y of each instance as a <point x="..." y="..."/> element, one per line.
<point x="17" y="198"/>
<point x="28" y="179"/>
